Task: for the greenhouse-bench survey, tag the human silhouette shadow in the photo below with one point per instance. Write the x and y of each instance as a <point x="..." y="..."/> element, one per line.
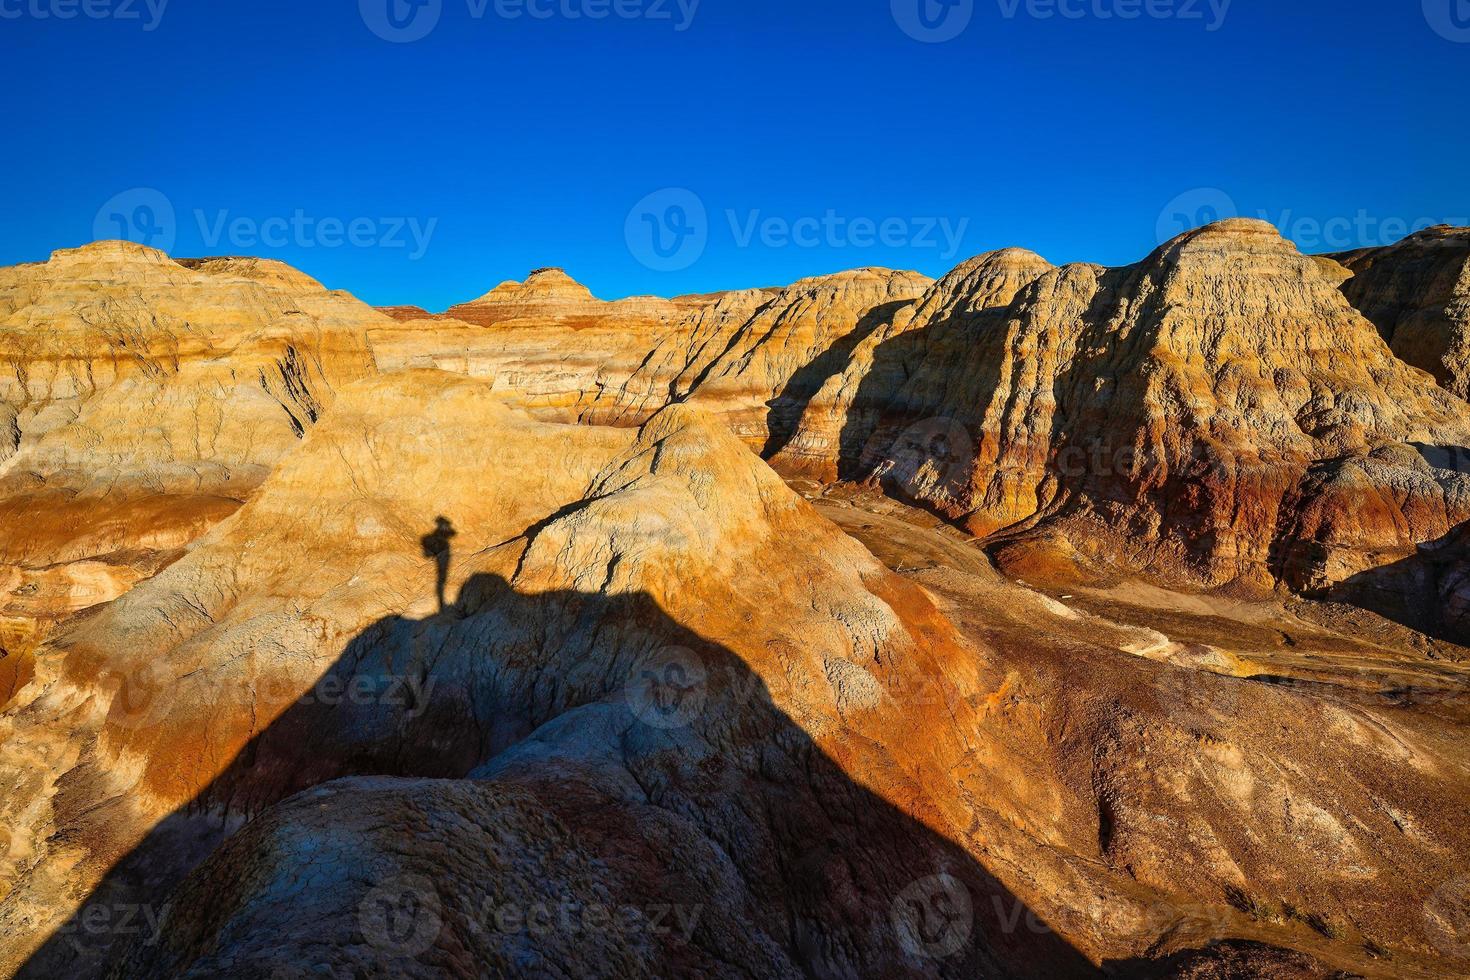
<point x="436" y="545"/>
<point x="838" y="881"/>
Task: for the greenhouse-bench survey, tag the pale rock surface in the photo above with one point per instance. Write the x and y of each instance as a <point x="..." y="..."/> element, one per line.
<point x="1214" y="414"/>
<point x="547" y="344"/>
<point x="142" y="400"/>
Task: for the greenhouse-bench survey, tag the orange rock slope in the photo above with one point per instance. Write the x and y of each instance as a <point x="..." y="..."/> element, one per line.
<point x="142" y="400"/>
<point x="530" y="665"/>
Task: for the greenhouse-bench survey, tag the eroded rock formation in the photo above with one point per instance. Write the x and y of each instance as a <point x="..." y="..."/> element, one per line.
<point x="142" y="400"/>
<point x="1217" y="413"/>
<point x="1418" y="293"/>
<point x="461" y="687"/>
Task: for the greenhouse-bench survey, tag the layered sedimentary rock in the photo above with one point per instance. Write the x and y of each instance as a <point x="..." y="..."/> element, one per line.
<point x="142" y="400"/>
<point x="592" y="663"/>
<point x="546" y="343"/>
<point x="1418" y="294"/>
<point x="509" y="693"/>
<point x="941" y="327"/>
<point x="757" y="371"/>
<point x="461" y="690"/>
<point x="1216" y="413"/>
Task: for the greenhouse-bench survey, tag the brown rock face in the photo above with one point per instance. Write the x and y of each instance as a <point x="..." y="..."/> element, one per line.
<point x="755" y="359"/>
<point x="1418" y="294"/>
<point x="939" y="328"/>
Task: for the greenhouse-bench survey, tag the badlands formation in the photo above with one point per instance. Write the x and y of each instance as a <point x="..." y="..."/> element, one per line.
<point x="1031" y="622"/>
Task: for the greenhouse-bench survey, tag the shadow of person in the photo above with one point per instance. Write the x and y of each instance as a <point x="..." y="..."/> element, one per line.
<point x="561" y="750"/>
<point x="436" y="545"/>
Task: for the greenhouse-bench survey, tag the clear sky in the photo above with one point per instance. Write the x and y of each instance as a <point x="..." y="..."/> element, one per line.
<point x="664" y="149"/>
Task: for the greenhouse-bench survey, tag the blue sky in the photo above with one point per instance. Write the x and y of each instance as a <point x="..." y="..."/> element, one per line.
<point x="759" y="140"/>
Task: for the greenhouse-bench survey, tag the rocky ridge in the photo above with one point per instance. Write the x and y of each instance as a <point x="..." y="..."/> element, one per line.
<point x="1417" y="292"/>
<point x="142" y="400"/>
<point x="451" y="654"/>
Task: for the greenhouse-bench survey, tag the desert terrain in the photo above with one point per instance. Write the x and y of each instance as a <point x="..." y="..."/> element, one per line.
<point x="1035" y="621"/>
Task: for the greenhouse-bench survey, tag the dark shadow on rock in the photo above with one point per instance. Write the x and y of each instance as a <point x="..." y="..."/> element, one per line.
<point x="787" y="408"/>
<point x="1429" y="591"/>
<point x="656" y="754"/>
<point x="1227" y="960"/>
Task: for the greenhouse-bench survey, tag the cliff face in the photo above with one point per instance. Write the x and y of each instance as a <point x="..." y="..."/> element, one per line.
<point x="1418" y="294"/>
<point x="941" y="332"/>
<point x="324" y="659"/>
<point x="1209" y="415"/>
<point x="142" y="400"/>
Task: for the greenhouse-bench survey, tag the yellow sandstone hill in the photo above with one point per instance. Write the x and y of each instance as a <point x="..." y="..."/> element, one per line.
<point x="375" y="644"/>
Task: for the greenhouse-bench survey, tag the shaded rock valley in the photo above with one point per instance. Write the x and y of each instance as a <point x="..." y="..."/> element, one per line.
<point x="1032" y="622"/>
